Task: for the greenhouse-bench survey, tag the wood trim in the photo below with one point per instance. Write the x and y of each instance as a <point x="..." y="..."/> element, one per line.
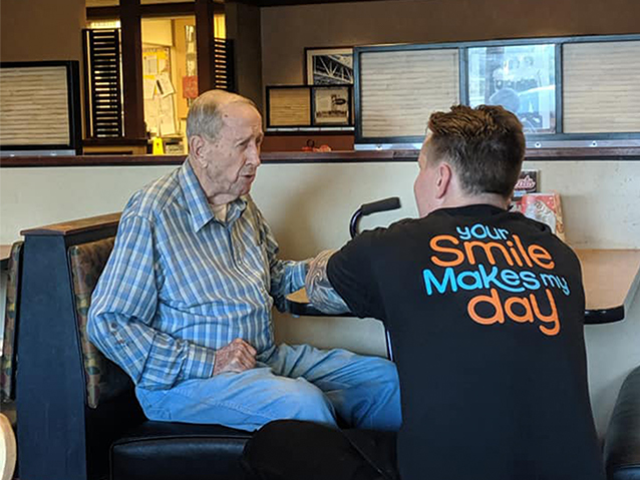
<point x="338" y="156"/>
<point x="103" y="13"/>
<point x="152" y="10"/>
<point x="130" y="15"/>
<point x="99" y="142"/>
<point x="74" y="227"/>
<point x="204" y="42"/>
<point x="91" y="161"/>
<point x="587" y="153"/>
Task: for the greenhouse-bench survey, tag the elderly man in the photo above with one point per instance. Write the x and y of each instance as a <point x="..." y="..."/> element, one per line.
<point x="184" y="303"/>
<point x="485" y="309"/>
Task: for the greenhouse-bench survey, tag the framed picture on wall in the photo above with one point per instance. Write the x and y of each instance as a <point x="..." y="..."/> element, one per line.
<point x="331" y="105"/>
<point x="329" y="66"/>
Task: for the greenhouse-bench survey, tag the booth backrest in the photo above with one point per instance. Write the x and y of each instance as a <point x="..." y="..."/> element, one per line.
<point x="104" y="380"/>
<point x="8" y="372"/>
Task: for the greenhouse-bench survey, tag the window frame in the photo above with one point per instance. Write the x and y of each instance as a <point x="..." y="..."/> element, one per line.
<point x="546" y="140"/>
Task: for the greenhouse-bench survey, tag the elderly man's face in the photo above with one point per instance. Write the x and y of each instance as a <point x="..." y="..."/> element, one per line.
<point x="234" y="157"/>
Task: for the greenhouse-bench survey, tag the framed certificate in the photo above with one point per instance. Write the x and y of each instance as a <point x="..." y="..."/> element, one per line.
<point x="289" y="106"/>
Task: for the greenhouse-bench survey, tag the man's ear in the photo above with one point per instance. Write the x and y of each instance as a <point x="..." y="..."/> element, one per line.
<point x="444" y="177"/>
<point x="196" y="149"/>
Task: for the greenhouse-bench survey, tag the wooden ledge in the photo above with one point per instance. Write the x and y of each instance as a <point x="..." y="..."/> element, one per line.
<point x="611" y="279"/>
<point x="337" y="156"/>
<point x="76" y="226"/>
<point x="5" y="253"/>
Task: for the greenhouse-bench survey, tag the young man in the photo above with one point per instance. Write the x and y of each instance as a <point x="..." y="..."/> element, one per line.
<point x="485" y="309"/>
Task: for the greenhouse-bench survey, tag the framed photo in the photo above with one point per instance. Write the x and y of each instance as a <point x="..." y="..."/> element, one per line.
<point x="331" y="105"/>
<point x="329" y="66"/>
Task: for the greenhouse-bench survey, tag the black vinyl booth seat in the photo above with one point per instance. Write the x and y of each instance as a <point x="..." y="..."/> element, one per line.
<point x="78" y="417"/>
<point x="622" y="444"/>
<point x="170" y="451"/>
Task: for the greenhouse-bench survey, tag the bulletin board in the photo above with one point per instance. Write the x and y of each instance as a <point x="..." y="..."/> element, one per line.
<point x="159" y="91"/>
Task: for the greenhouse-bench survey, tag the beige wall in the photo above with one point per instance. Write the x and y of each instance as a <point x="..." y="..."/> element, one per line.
<point x="309" y="206"/>
<point x="286" y="31"/>
<point x="41" y="30"/>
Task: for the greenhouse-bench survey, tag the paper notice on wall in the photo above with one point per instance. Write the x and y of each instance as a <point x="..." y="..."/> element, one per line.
<point x="165" y="87"/>
<point x="167" y="118"/>
<point x="152" y="116"/>
<point x="149" y="88"/>
<point x="150" y="65"/>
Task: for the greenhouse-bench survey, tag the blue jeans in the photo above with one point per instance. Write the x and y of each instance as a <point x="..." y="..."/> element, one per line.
<point x="289" y="382"/>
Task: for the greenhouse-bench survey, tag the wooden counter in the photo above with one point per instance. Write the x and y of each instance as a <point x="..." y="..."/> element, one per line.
<point x="611" y="279"/>
<point x="610" y="282"/>
<point x="337" y="156"/>
<point x="5" y="252"/>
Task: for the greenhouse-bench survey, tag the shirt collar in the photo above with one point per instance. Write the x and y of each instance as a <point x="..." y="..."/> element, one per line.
<point x="197" y="203"/>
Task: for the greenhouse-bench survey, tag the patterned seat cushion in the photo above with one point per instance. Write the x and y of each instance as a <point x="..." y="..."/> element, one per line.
<point x="7" y="375"/>
<point x="104" y="379"/>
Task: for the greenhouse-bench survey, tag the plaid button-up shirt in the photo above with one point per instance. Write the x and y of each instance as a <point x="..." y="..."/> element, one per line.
<point x="180" y="284"/>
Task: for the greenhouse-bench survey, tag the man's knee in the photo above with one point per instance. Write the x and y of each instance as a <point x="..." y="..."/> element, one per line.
<point x="386" y="372"/>
<point x="304" y="401"/>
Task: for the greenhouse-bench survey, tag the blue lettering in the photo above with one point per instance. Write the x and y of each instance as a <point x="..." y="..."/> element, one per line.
<point x="483" y="231"/>
<point x="490" y="280"/>
<point x="448" y="280"/>
<point x="529" y="280"/>
<point x="464" y="234"/>
<point x="510" y="277"/>
<point x="473" y="286"/>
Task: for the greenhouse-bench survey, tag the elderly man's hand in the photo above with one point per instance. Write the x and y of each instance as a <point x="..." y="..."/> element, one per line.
<point x="238" y="356"/>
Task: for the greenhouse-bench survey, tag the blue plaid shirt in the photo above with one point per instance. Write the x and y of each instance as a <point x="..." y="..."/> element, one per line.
<point x="180" y="284"/>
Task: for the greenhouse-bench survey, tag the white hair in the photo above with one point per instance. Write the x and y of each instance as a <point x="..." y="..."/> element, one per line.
<point x="205" y="114"/>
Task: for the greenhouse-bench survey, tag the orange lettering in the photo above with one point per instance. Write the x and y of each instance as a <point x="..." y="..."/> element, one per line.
<point x="494" y="300"/>
<point x="538" y="254"/>
<point x="434" y="244"/>
<point x="487" y="247"/>
<point x="551" y="318"/>
<point x="526" y="317"/>
<point x="523" y="252"/>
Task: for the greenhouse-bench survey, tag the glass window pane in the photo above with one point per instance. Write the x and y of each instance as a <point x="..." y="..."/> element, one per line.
<point x="600" y="89"/>
<point x="170" y="76"/>
<point x="521" y="78"/>
<point x="400" y="89"/>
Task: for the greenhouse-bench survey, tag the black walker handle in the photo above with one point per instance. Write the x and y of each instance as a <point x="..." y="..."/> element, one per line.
<point x="391" y="203"/>
<point x="386" y="204"/>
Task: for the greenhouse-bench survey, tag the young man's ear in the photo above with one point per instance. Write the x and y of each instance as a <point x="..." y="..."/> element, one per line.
<point x="444" y="177"/>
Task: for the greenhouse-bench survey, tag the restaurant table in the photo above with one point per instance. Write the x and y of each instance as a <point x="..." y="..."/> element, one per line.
<point x="611" y="279"/>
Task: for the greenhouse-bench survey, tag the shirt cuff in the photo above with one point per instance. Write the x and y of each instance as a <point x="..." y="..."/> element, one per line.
<point x="199" y="363"/>
<point x="298" y="275"/>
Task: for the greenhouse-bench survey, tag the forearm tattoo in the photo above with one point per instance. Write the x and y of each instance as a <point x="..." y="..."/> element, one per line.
<point x="319" y="290"/>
